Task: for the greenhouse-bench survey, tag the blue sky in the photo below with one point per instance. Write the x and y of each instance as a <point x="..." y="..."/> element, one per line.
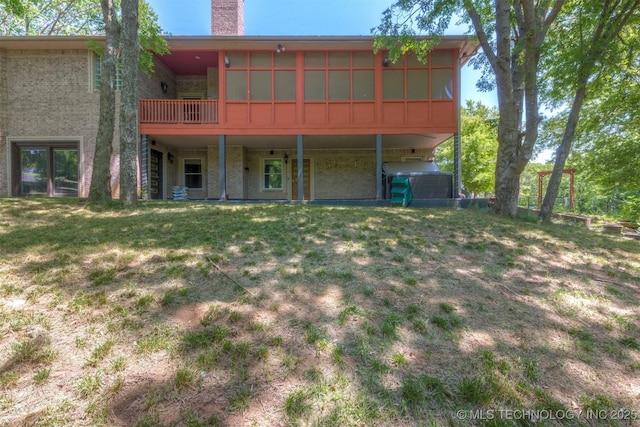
<point x="296" y="17"/>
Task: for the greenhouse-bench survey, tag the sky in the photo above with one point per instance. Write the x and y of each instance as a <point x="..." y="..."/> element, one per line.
<point x="297" y="18"/>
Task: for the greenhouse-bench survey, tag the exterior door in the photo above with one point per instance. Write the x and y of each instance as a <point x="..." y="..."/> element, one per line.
<point x="155" y="175"/>
<point x="46" y="170"/>
<point x="191" y="110"/>
<point x="306" y="174"/>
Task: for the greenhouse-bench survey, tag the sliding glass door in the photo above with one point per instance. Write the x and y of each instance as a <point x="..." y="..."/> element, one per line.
<point x="34" y="172"/>
<point x="46" y="169"/>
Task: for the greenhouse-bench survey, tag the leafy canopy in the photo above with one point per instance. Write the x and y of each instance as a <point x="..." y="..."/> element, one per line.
<point x="480" y="144"/>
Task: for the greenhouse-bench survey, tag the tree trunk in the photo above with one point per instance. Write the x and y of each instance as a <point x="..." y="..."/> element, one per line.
<point x="562" y="153"/>
<point x="129" y="105"/>
<point x="100" y="189"/>
<point x="611" y="21"/>
<point x="507" y="177"/>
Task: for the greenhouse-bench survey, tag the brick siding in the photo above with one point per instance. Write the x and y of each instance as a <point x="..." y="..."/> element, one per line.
<point x="4" y="124"/>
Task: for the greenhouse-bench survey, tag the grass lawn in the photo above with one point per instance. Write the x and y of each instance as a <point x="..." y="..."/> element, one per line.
<point x="192" y="314"/>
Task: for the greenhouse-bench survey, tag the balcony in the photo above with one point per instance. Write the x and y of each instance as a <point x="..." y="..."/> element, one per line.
<point x="178" y="111"/>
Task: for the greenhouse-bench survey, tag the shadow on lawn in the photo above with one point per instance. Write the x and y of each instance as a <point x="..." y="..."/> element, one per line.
<point x="356" y="316"/>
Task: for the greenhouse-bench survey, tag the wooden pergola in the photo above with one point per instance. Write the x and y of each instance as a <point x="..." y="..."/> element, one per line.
<point x="542" y="174"/>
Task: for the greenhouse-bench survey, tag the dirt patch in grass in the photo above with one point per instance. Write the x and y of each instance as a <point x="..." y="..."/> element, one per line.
<point x="232" y="315"/>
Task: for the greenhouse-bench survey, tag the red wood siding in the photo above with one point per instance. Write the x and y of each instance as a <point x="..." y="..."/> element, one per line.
<point x="346" y="116"/>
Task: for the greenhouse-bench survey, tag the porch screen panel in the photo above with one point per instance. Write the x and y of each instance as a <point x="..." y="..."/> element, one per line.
<point x="441" y="58"/>
<point x="393" y="84"/>
<point x="363" y="84"/>
<point x="237" y="59"/>
<point x="417" y="84"/>
<point x="442" y="83"/>
<point x="260" y="60"/>
<point x="363" y="59"/>
<point x="237" y="85"/>
<point x="339" y="59"/>
<point x="34" y="171"/>
<point x="314" y="60"/>
<point x="413" y="61"/>
<point x="285" y="85"/>
<point x="260" y="85"/>
<point x="65" y="172"/>
<point x="339" y="85"/>
<point x="285" y="60"/>
<point x="314" y="86"/>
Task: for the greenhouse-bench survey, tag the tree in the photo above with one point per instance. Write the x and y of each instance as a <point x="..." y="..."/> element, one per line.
<point x="586" y="44"/>
<point x="511" y="35"/>
<point x="49" y="17"/>
<point x="147" y="36"/>
<point x="606" y="139"/>
<point x="479" y="139"/>
<point x="100" y="189"/>
<point x="129" y="105"/>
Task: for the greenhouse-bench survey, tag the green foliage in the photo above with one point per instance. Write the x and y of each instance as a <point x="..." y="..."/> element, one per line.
<point x="80" y="17"/>
<point x="479" y="148"/>
<point x="631" y="208"/>
<point x="150" y="36"/>
<point x="598" y="40"/>
<point x="50" y="17"/>
<point x="404" y="20"/>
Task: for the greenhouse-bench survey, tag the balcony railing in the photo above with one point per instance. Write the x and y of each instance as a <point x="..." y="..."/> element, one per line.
<point x="178" y="111"/>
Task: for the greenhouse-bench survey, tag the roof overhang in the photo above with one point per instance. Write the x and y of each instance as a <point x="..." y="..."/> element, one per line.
<point x="467" y="45"/>
<point x="191" y="55"/>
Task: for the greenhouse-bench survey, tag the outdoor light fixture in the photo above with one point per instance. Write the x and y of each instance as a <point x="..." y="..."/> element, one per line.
<point x="286" y="159"/>
<point x="227" y="61"/>
<point x="386" y="62"/>
<point x="164" y="86"/>
<point x="280" y="48"/>
<point x="170" y="157"/>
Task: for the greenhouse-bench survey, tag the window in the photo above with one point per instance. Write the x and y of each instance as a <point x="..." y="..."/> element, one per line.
<point x="97" y="68"/>
<point x="46" y="169"/>
<point x="272" y="176"/>
<point x="193" y="174"/>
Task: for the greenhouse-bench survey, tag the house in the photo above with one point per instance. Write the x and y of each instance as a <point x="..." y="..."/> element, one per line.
<point x="229" y="116"/>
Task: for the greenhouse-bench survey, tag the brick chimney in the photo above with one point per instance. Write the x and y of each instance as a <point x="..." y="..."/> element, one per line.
<point x="227" y="17"/>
